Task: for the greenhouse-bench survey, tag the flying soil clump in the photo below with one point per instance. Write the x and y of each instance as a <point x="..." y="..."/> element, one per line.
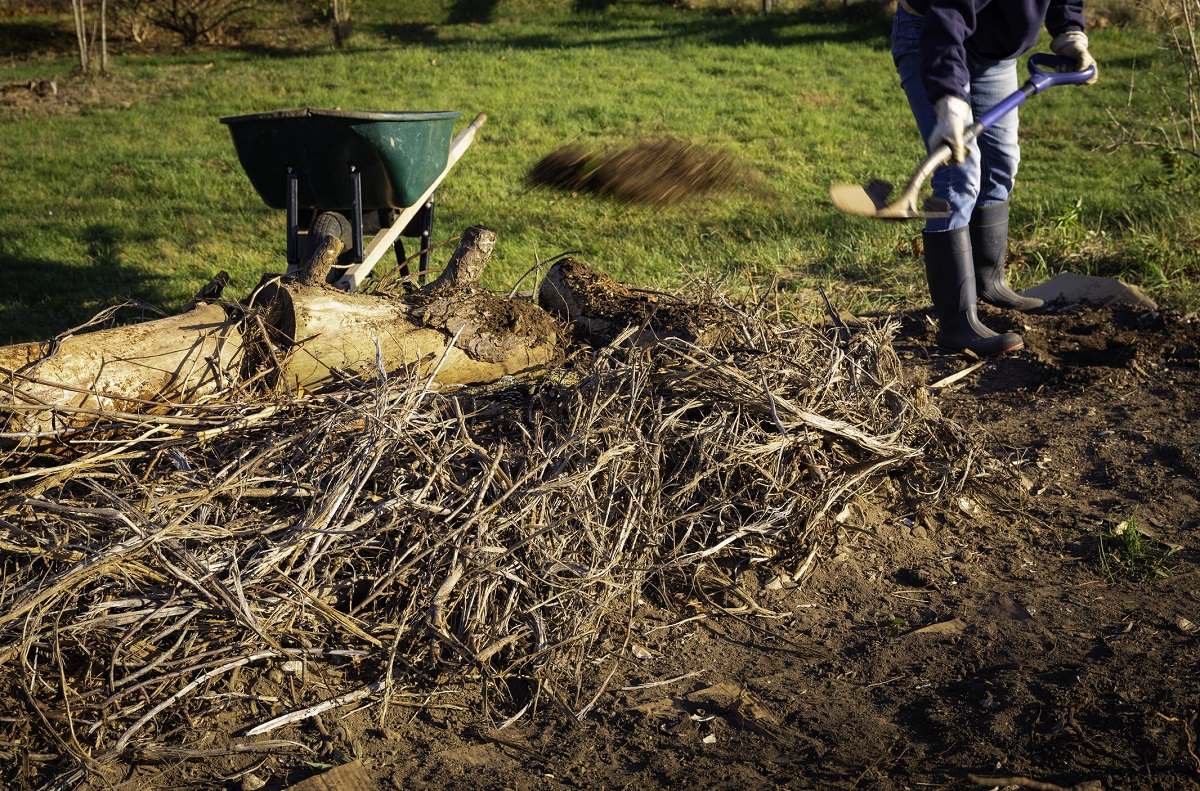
<point x="658" y="172"/>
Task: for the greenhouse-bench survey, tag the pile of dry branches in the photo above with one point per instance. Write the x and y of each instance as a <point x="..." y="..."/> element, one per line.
<point x="239" y="567"/>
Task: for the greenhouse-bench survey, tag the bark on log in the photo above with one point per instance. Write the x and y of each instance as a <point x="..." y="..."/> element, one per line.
<point x="178" y="358"/>
<point x="470" y="336"/>
<point x="599" y="308"/>
<point x="328" y="332"/>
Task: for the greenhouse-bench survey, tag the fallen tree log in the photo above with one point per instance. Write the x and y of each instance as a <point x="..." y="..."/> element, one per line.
<point x="452" y="327"/>
<point x="307" y="331"/>
<point x="303" y="333"/>
<point x="599" y="308"/>
<point x="178" y="358"/>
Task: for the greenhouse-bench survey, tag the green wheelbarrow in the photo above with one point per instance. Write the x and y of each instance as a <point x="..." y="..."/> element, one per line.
<point x="380" y="170"/>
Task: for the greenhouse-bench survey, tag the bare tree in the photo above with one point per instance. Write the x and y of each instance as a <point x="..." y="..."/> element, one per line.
<point x="104" y="36"/>
<point x="87" y="41"/>
<point x="340" y="12"/>
<point x="1181" y="18"/>
<point x="197" y="20"/>
<point x="1173" y="134"/>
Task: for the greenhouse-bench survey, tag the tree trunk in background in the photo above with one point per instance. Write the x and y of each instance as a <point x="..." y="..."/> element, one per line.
<point x="342" y="24"/>
<point x="87" y="43"/>
<point x="81" y="37"/>
<point x="104" y="36"/>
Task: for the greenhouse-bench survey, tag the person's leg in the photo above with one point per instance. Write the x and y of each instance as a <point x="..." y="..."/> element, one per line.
<point x="989" y="246"/>
<point x="949" y="268"/>
<point x="951" y="275"/>
<point x="992" y="81"/>
<point x="958" y="185"/>
<point x="1000" y="155"/>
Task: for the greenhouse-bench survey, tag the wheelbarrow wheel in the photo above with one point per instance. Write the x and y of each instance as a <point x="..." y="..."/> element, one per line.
<point x="330" y="223"/>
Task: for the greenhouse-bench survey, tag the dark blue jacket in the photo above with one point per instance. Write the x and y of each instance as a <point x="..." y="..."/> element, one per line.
<point x="991" y="29"/>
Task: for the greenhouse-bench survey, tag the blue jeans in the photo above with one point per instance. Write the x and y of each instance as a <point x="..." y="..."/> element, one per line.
<point x="987" y="176"/>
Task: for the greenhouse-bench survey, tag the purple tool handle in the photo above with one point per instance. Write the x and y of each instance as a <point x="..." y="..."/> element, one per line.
<point x="1040" y="78"/>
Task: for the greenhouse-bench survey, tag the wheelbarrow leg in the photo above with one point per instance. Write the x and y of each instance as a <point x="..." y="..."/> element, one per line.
<point x="356" y="215"/>
<point x="293" y="218"/>
<point x="423" y="222"/>
<point x="387" y="217"/>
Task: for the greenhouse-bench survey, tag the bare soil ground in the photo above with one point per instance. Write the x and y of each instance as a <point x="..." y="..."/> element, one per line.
<point x="973" y="644"/>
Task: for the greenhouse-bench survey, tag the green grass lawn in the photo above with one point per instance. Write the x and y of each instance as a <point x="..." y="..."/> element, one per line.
<point x="139" y="194"/>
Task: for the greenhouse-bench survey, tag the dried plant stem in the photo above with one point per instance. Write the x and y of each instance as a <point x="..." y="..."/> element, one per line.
<point x="383" y="536"/>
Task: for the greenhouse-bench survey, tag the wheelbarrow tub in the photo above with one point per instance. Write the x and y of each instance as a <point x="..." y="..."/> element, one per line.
<point x="399" y="155"/>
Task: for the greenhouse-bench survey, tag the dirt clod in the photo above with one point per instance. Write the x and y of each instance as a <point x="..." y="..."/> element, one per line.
<point x="657" y="172"/>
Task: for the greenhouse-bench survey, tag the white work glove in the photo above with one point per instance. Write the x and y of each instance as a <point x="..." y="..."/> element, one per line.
<point x="953" y="118"/>
<point x="1074" y="45"/>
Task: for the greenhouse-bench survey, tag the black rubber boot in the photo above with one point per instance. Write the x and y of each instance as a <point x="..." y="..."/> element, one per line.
<point x="951" y="276"/>
<point x="989" y="245"/>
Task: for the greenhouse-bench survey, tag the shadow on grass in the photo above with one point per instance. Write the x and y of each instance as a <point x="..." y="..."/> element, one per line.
<point x="862" y="23"/>
<point x="44" y="297"/>
<point x="20" y="39"/>
<point x="592" y="6"/>
<point x="415" y="33"/>
<point x="258" y="50"/>
<point x="466" y="12"/>
<point x="724" y="31"/>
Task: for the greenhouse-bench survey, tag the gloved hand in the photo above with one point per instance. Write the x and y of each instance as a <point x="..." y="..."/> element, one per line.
<point x="1074" y="45"/>
<point x="953" y="118"/>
